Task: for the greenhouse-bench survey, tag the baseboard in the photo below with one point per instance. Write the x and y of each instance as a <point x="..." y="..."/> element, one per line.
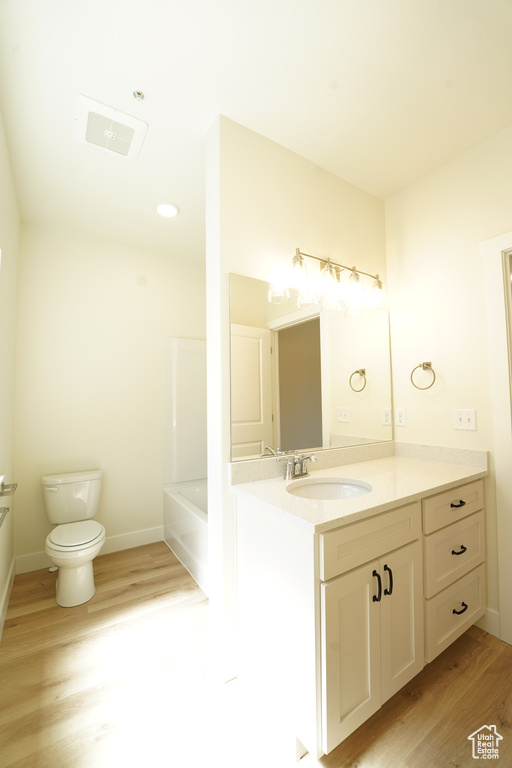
<point x="38" y="560"/>
<point x="490" y="622"/>
<point x="134" y="539"/>
<point x="6" y="595"/>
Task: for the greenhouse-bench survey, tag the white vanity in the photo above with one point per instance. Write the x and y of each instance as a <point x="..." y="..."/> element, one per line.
<point x="342" y="602"/>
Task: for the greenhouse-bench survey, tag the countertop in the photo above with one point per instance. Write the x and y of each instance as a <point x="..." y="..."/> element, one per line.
<point x="395" y="481"/>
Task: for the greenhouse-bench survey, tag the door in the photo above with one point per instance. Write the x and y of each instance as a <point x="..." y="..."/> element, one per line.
<point x="351" y="690"/>
<point x="402" y="638"/>
<point x="251" y="391"/>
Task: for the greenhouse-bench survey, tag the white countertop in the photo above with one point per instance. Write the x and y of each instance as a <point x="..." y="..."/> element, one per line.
<point x="395" y="481"/>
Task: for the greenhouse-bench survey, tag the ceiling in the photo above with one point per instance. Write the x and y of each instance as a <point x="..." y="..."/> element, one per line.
<point x="379" y="92"/>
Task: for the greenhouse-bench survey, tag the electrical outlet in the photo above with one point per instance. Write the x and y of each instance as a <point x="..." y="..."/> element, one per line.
<point x="344" y="414"/>
<point x="464" y="419"/>
<point x="400" y="417"/>
<point x="387" y="419"/>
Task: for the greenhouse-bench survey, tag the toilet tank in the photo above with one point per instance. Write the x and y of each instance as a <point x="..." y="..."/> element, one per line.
<point x="72" y="497"/>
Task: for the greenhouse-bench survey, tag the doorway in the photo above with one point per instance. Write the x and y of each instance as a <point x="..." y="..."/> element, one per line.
<point x="300" y="386"/>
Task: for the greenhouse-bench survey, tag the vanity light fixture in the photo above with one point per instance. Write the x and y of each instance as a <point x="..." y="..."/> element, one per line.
<point x="333" y="287"/>
<point x="167" y="210"/>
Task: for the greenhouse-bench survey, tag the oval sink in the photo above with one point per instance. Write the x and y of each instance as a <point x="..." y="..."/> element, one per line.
<point x="328" y="488"/>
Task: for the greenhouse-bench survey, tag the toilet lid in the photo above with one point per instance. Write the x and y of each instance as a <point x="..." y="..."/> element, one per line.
<point x="76" y="534"/>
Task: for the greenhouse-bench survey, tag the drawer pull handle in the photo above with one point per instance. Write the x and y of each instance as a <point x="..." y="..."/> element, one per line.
<point x="377" y="598"/>
<point x="462" y="550"/>
<point x="464" y="608"/>
<point x="461" y="503"/>
<point x="390" y="590"/>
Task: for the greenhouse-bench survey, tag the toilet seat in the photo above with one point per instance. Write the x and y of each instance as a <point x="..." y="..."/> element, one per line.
<point x="73" y="536"/>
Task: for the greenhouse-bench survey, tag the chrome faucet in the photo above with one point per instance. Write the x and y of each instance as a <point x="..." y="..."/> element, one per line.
<point x="296" y="465"/>
<point x="269" y="451"/>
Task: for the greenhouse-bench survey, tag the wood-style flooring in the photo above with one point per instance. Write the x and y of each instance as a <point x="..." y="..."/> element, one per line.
<point x="122" y="682"/>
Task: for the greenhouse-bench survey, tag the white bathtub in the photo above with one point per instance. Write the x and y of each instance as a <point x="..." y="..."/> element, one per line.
<point x="186" y="526"/>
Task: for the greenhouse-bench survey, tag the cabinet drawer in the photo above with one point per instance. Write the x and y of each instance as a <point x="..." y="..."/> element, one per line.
<point x="442" y="622"/>
<point x="352" y="545"/>
<point x="451" y="552"/>
<point x="450" y="506"/>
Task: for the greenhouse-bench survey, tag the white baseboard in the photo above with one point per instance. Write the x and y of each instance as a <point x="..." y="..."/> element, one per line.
<point x="490" y="622"/>
<point x="38" y="560"/>
<point x="6" y="595"/>
<point x="134" y="539"/>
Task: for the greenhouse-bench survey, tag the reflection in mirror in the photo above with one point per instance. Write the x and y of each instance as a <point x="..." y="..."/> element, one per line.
<point x="295" y="375"/>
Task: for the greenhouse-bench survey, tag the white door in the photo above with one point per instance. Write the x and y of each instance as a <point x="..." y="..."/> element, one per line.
<point x="251" y="391"/>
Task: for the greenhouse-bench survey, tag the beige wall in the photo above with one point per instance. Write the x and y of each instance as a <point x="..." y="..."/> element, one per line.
<point x="9" y="247"/>
<point x="438" y="304"/>
<point x="92" y="317"/>
<point x="263" y="201"/>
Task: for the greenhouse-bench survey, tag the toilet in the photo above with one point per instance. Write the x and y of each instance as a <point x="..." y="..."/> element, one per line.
<point x="71" y="501"/>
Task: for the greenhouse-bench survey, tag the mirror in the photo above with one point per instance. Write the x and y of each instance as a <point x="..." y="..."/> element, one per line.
<point x="305" y="379"/>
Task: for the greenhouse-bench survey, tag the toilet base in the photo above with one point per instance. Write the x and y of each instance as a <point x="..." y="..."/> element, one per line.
<point x="75" y="585"/>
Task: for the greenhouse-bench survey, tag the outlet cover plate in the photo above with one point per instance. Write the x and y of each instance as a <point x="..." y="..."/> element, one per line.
<point x="344" y="414"/>
<point x="400" y="419"/>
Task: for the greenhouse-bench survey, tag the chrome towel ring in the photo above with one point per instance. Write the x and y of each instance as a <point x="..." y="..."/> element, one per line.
<point x="360" y="372"/>
<point x="424" y="367"/>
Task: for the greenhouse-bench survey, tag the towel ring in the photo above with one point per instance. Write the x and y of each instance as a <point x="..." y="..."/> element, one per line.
<point x="361" y="372"/>
<point x="424" y="367"/>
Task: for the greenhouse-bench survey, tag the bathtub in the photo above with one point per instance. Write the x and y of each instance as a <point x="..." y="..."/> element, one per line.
<point x="186" y="526"/>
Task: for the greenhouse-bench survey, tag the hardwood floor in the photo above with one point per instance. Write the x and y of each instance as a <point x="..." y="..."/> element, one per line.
<point x="113" y="682"/>
<point x="427" y="724"/>
<point x="122" y="681"/>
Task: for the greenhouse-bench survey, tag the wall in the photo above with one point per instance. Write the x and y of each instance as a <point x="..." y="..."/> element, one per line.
<point x="438" y="306"/>
<point x="263" y="201"/>
<point x="9" y="247"/>
<point x="91" y="320"/>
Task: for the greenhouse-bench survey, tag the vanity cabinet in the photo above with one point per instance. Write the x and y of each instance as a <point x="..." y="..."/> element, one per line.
<point x="372" y="639"/>
<point x="454" y="571"/>
<point x="371" y="617"/>
<point x="333" y="623"/>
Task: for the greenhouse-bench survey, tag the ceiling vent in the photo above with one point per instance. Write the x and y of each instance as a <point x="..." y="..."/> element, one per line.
<point x="108" y="128"/>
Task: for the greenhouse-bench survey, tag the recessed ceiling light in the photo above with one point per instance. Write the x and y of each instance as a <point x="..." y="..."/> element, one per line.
<point x="139" y="95"/>
<point x="168" y="210"/>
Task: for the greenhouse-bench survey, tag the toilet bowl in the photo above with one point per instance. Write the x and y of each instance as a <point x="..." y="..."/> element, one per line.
<point x="75" y="583"/>
<point x="71" y="500"/>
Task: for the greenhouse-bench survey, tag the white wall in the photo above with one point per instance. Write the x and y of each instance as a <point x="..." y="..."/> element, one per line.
<point x="9" y="247"/>
<point x="91" y="320"/>
<point x="438" y="304"/>
<point x="263" y="202"/>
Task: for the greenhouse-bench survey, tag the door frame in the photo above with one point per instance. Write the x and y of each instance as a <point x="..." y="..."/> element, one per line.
<point x="494" y="254"/>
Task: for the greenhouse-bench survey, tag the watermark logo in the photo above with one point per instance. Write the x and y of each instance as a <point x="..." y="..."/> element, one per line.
<point x="486" y="743"/>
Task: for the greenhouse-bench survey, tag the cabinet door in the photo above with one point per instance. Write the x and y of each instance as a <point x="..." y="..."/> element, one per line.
<point x="350" y="653"/>
<point x="402" y="637"/>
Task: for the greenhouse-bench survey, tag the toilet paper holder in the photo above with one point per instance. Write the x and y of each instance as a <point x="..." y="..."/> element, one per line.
<point x="7" y="490"/>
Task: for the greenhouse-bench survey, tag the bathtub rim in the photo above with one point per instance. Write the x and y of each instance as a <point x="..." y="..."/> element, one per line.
<point x="173" y="490"/>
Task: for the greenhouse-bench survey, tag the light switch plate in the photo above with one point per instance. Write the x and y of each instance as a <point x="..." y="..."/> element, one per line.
<point x="464" y="418"/>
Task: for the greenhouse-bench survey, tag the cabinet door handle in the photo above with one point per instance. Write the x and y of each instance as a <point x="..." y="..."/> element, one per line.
<point x="377" y="598"/>
<point x="390" y="590"/>
<point x="462" y="550"/>
<point x="460" y="504"/>
<point x="464" y="608"/>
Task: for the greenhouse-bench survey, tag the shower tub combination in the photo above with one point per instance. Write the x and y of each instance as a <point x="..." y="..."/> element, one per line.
<point x="184" y="455"/>
<point x="186" y="526"/>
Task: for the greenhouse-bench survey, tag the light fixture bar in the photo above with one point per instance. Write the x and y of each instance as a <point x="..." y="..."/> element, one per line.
<point x="299" y="253"/>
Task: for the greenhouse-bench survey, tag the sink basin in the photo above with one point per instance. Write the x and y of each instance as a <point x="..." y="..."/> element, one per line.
<point x="328" y="488"/>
